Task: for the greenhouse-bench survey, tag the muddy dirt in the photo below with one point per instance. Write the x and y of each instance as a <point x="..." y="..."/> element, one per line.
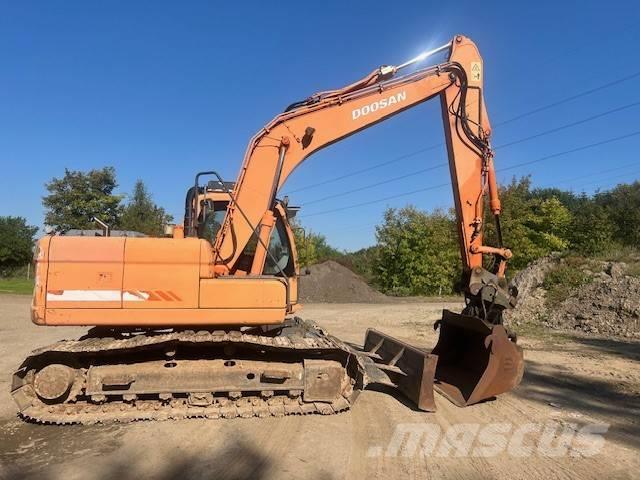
<point x="330" y="282"/>
<point x="570" y="382"/>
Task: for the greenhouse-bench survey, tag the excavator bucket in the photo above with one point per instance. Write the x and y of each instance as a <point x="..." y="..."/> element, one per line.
<point x="476" y="359"/>
<point x="410" y="369"/>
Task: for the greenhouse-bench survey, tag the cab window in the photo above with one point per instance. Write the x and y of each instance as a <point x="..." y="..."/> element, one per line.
<point x="209" y="226"/>
<point x="279" y="257"/>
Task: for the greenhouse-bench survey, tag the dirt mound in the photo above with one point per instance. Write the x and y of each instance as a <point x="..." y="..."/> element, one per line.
<point x="608" y="306"/>
<point x="330" y="282"/>
<point x="531" y="295"/>
<point x="607" y="303"/>
<point x="532" y="277"/>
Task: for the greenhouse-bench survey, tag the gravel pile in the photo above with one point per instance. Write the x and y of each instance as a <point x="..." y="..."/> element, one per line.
<point x="330" y="282"/>
<point x="531" y="295"/>
<point x="608" y="304"/>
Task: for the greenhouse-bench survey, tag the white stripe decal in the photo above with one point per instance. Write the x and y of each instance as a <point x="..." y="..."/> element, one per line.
<point x="98" y="296"/>
<point x="85" y="296"/>
<point x="134" y="296"/>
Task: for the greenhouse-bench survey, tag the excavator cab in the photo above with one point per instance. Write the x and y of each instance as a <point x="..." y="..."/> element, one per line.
<point x="205" y="213"/>
<point x="205" y="208"/>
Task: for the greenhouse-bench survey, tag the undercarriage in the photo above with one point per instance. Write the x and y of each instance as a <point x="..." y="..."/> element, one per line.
<point x="292" y="369"/>
<point x="118" y="376"/>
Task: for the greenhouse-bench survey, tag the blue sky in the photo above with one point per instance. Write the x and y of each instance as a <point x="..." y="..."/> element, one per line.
<point x="161" y="90"/>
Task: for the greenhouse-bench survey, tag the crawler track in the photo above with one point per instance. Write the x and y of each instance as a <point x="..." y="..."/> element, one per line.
<point x="298" y="342"/>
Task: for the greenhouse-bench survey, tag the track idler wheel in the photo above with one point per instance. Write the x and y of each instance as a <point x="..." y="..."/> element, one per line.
<point x="54" y="381"/>
<point x="476" y="359"/>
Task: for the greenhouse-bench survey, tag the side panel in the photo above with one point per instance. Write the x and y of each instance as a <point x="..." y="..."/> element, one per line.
<point x="246" y="292"/>
<point x="85" y="272"/>
<point x="167" y="317"/>
<point x="146" y="282"/>
<point x="161" y="273"/>
<point x="293" y="290"/>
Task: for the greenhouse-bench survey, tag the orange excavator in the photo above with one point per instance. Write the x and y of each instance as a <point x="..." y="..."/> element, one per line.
<point x="203" y="324"/>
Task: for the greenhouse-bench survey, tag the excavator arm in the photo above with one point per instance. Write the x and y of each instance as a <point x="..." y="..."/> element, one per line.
<point x="475" y="357"/>
<point x="328" y="117"/>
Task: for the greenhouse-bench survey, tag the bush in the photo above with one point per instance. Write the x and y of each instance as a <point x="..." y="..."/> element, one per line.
<point x="592" y="229"/>
<point x="622" y="206"/>
<point x="363" y="262"/>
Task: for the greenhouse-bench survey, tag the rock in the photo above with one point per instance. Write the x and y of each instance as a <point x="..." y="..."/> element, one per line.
<point x="615" y="269"/>
<point x="609" y="304"/>
<point x="532" y="277"/>
<point x="531" y="295"/>
<point x="608" y="307"/>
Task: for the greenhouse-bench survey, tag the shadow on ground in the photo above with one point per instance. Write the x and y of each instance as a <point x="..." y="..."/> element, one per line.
<point x="580" y="393"/>
<point x="238" y="460"/>
<point x="628" y="349"/>
<point x="618" y="347"/>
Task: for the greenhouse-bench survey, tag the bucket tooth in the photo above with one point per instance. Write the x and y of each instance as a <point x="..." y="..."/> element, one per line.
<point x="476" y="359"/>
<point x="410" y="369"/>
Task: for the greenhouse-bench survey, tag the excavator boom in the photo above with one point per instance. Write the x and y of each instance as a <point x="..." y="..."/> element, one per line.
<point x="325" y="118"/>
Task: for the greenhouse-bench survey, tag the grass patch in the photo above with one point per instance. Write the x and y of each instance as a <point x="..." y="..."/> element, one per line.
<point x="566" y="277"/>
<point x="620" y="253"/>
<point x="633" y="269"/>
<point x="21" y="286"/>
<point x="626" y="254"/>
<point x="535" y="331"/>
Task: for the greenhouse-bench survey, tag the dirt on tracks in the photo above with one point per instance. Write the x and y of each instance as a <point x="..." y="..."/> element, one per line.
<point x="569" y="382"/>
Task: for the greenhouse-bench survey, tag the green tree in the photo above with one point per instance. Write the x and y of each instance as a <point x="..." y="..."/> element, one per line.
<point x="76" y="198"/>
<point x="622" y="204"/>
<point x="568" y="199"/>
<point x="550" y="222"/>
<point x="363" y="262"/>
<point x="532" y="225"/>
<point x="312" y="247"/>
<point x="142" y="215"/>
<point x="16" y="242"/>
<point x="592" y="229"/>
<point x="418" y="253"/>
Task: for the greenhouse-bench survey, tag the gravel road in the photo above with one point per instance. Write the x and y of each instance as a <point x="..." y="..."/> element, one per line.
<point x="571" y="383"/>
